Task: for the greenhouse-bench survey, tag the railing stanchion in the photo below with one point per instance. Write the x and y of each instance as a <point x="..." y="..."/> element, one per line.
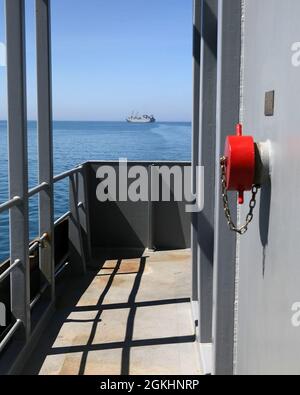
<point x="18" y="166"/>
<point x="46" y="199"/>
<point x="150" y="209"/>
<point x="76" y="239"/>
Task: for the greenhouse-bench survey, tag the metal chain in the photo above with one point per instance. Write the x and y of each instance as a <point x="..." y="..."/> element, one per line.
<point x="227" y="211"/>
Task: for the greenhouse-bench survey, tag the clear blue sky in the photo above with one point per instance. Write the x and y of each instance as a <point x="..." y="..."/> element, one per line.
<point x="114" y="56"/>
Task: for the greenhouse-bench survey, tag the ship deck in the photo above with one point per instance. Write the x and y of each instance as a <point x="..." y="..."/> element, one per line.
<point x="133" y="316"/>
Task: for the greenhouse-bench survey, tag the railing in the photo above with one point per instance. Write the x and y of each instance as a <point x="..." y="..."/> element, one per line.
<point x="10" y="334"/>
<point x="62" y="218"/>
<point x="62" y="265"/>
<point x="9" y="270"/>
<point x="66" y="174"/>
<point x="37" y="244"/>
<point x="18" y="204"/>
<point x="9" y="204"/>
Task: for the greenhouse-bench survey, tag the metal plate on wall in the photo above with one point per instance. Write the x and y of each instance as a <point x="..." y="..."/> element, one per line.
<point x="269" y="103"/>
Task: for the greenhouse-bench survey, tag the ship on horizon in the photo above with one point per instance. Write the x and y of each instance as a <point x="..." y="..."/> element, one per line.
<point x="141" y="119"/>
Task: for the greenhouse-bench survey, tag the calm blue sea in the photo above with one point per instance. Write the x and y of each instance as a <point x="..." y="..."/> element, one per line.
<point x="76" y="142"/>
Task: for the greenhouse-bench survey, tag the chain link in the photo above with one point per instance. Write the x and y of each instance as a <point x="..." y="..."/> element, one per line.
<point x="227" y="211"/>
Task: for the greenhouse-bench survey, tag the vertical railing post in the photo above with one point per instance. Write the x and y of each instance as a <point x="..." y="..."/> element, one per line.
<point x="150" y="209"/>
<point x="18" y="163"/>
<point x="228" y="106"/>
<point x="77" y="250"/>
<point x="207" y="141"/>
<point x="195" y="144"/>
<point x="85" y="210"/>
<point x="45" y="145"/>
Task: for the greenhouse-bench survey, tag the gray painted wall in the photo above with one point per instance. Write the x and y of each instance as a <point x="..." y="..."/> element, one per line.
<point x="160" y="225"/>
<point x="268" y="256"/>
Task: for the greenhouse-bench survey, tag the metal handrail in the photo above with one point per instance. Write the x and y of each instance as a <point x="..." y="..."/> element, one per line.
<point x="66" y="174"/>
<point x="38" y="296"/>
<point x="42" y="187"/>
<point x="39" y="188"/>
<point x="7" y="272"/>
<point x="33" y="247"/>
<point x="62" y="267"/>
<point x="59" y="270"/>
<point x="62" y="218"/>
<point x="10" y="334"/>
<point x="10" y="203"/>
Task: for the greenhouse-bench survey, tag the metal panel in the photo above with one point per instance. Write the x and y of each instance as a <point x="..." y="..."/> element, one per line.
<point x="76" y="224"/>
<point x="171" y="224"/>
<point x="46" y="216"/>
<point x="120" y="224"/>
<point x="228" y="100"/>
<point x="269" y="271"/>
<point x="18" y="172"/>
<point x="125" y="224"/>
<point x="206" y="158"/>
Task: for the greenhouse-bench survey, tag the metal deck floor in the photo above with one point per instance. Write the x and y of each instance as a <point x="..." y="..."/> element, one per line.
<point x="131" y="317"/>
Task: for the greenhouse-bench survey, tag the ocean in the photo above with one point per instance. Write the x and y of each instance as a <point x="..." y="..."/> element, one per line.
<point x="77" y="142"/>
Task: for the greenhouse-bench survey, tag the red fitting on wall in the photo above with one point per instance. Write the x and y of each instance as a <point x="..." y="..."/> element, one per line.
<point x="240" y="163"/>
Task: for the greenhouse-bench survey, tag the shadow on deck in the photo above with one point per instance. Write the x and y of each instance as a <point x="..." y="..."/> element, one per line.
<point x="131" y="317"/>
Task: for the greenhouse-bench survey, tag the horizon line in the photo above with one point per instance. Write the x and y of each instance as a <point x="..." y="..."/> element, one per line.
<point x="76" y="120"/>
